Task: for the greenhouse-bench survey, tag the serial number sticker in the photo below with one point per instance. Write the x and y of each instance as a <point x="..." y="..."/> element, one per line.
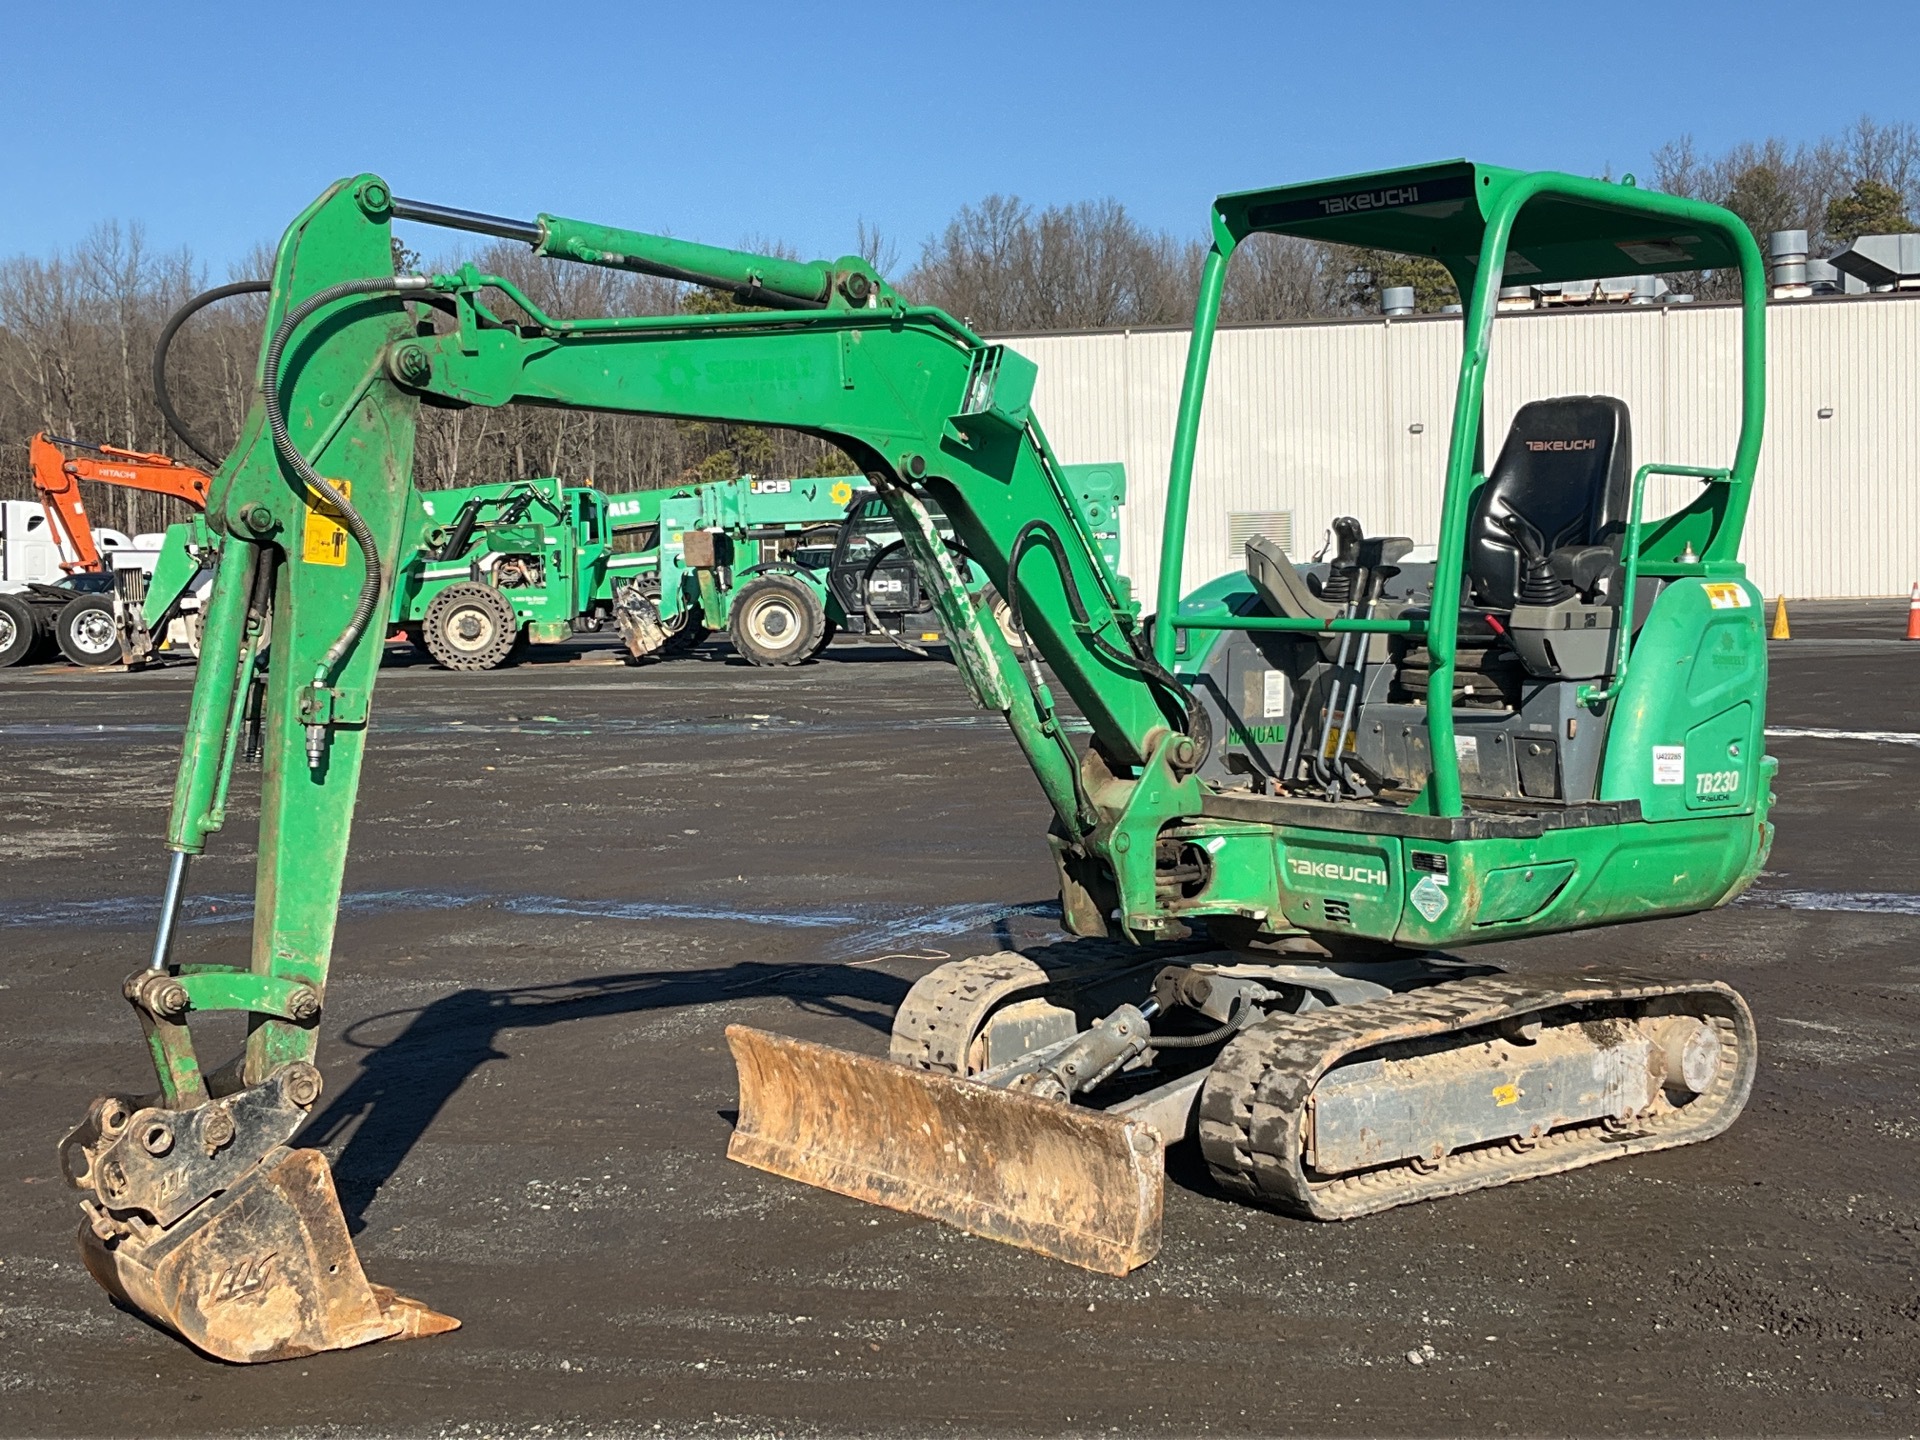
<point x="323" y="539"/>
<point x="1273" y="694"/>
<point x="1466" y="752"/>
<point x="1669" y="764"/>
<point x="1723" y="596"/>
<point x="1506" y="1095"/>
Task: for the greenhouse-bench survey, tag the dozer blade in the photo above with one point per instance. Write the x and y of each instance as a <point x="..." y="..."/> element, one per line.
<point x="265" y="1271"/>
<point x="1078" y="1185"/>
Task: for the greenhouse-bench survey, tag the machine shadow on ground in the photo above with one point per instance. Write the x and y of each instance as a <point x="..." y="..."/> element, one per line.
<point x="405" y="1082"/>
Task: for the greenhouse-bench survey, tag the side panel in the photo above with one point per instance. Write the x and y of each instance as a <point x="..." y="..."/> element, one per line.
<point x="1686" y="736"/>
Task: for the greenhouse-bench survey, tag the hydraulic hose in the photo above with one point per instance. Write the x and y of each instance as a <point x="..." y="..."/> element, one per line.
<point x="1235" y="1024"/>
<point x="289" y="453"/>
<point x="161" y="395"/>
<point x="1135" y="657"/>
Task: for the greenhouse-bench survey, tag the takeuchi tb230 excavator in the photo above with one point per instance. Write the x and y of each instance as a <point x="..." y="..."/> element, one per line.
<point x="1302" y="789"/>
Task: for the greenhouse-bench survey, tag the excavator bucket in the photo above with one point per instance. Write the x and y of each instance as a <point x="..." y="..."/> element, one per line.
<point x="1078" y="1185"/>
<point x="245" y="1260"/>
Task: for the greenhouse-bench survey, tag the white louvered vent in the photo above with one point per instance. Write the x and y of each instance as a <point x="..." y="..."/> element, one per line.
<point x="1243" y="525"/>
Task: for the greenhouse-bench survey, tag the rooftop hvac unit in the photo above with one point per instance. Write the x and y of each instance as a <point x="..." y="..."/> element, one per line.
<point x="1882" y="262"/>
<point x="1243" y="525"/>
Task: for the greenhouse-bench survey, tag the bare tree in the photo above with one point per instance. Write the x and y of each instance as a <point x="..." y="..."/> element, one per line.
<point x="1775" y="184"/>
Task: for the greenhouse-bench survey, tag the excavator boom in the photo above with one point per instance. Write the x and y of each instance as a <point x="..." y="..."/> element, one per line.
<point x="1265" y="775"/>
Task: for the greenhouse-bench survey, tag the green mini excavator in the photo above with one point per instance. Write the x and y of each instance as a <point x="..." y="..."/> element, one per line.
<point x="1304" y="786"/>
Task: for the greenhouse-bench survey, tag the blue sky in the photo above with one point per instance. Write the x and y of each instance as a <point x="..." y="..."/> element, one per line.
<point x="214" y="123"/>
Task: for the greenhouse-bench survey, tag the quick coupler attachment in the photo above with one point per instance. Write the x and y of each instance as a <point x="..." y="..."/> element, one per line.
<point x="205" y="1222"/>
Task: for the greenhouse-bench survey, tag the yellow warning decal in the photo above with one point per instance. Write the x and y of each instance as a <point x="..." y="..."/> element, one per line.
<point x="841" y="492"/>
<point x="1723" y="596"/>
<point x="324" y="539"/>
<point x="1506" y="1095"/>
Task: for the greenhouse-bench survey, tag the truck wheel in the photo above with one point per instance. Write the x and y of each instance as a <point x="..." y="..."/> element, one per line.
<point x="86" y="632"/>
<point x="777" y="621"/>
<point x="19" y="630"/>
<point x="470" y="626"/>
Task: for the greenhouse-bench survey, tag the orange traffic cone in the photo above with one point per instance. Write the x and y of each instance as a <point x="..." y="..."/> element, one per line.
<point x="1913" y="613"/>
<point x="1780" y="630"/>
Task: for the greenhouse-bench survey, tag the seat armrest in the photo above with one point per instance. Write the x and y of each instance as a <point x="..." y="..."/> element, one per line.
<point x="1283" y="588"/>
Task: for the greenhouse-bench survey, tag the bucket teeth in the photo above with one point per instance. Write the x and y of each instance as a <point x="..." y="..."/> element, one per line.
<point x="1076" y="1184"/>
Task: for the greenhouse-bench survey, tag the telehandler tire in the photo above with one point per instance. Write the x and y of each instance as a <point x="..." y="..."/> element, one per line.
<point x="687" y="639"/>
<point x="777" y="620"/>
<point x="19" y="630"/>
<point x="470" y="626"/>
<point x="86" y="631"/>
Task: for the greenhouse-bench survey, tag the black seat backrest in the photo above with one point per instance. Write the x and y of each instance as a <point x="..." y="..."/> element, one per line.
<point x="1566" y="468"/>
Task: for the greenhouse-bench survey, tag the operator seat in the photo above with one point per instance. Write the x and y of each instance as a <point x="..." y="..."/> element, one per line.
<point x="1566" y="473"/>
<point x="1546" y="526"/>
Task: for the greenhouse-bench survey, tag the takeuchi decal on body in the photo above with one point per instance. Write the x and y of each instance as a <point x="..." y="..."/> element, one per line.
<point x="1333" y="870"/>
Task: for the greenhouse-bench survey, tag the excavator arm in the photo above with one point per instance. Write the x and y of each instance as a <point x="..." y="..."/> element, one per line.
<point x="57" y="479"/>
<point x="189" y="1188"/>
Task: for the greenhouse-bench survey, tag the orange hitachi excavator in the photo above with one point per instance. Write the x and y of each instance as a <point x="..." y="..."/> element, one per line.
<point x="85" y="624"/>
<point x="57" y="479"/>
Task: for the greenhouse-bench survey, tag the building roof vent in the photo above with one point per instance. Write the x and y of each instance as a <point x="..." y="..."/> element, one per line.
<point x="1787" y="262"/>
<point x="1397" y="300"/>
<point x="1882" y="262"/>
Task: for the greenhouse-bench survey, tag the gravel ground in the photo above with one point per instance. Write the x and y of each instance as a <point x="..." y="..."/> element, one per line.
<point x="567" y="877"/>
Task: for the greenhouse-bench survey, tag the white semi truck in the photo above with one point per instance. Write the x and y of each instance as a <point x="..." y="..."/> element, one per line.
<point x="42" y="607"/>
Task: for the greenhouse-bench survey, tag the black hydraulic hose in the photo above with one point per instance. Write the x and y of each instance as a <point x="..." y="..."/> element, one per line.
<point x="1197" y="727"/>
<point x="289" y="453"/>
<point x="161" y="395"/>
<point x="1234" y="1026"/>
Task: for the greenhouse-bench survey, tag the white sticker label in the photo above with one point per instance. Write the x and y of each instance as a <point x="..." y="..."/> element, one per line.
<point x="1722" y="596"/>
<point x="1466" y="751"/>
<point x="1273" y="695"/>
<point x="1429" y="899"/>
<point x="1669" y="764"/>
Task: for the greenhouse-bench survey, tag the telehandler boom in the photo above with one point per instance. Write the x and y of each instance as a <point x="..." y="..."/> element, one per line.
<point x="1325" y="776"/>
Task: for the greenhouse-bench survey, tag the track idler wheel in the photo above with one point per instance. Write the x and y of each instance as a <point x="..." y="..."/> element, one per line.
<point x="204" y="1222"/>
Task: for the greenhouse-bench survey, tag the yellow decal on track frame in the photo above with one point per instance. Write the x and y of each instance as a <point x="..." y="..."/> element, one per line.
<point x="323" y="541"/>
<point x="1723" y="596"/>
<point x="1506" y="1095"/>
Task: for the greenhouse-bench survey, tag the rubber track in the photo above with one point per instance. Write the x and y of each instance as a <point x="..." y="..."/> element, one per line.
<point x="1252" y="1109"/>
<point x="934" y="1027"/>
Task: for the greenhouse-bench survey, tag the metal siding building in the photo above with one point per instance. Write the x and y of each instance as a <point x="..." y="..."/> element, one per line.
<point x="1351" y="417"/>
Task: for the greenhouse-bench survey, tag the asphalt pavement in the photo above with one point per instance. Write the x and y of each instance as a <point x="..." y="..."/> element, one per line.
<point x="569" y="876"/>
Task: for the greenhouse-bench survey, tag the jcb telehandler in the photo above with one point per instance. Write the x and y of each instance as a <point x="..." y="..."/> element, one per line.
<point x="1330" y="776"/>
<point x="783" y="565"/>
